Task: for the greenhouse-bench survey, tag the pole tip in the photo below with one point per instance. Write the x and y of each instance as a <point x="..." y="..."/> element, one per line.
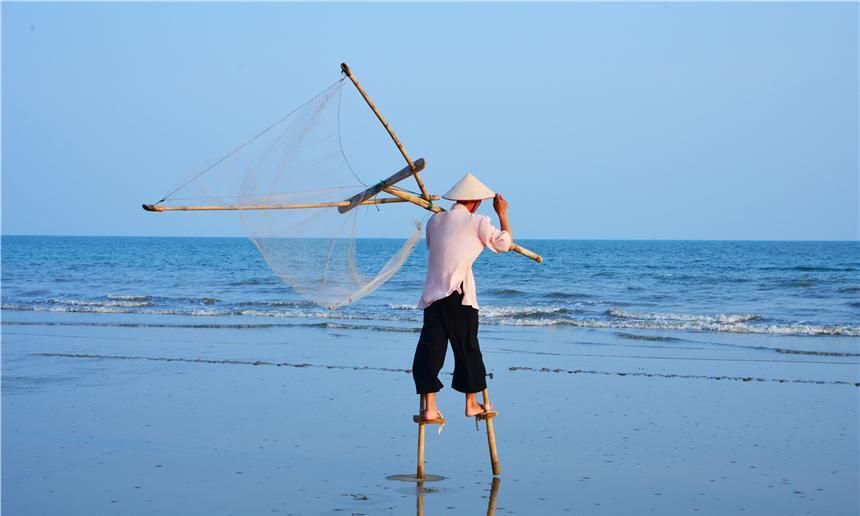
<point x="344" y="68"/>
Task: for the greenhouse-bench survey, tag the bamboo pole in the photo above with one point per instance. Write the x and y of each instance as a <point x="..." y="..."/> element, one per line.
<point x="421" y="405"/>
<point x="400" y="175"/>
<point x="491" y="438"/>
<point x="388" y="128"/>
<point x="334" y="204"/>
<point x="407" y="196"/>
<point x="435" y="208"/>
<point x="414" y="168"/>
<point x="527" y="253"/>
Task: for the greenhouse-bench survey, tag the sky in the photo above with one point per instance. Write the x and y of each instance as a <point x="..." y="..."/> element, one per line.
<point x="726" y="121"/>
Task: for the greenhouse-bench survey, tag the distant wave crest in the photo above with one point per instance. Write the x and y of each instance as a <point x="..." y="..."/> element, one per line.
<point x="675" y="317"/>
<point x="614" y="318"/>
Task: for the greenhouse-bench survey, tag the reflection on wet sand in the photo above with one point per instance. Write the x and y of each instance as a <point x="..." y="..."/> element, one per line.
<point x="491" y="505"/>
<point x="494" y="492"/>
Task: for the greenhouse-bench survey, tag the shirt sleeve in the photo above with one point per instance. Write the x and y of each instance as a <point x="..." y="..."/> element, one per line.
<point x="496" y="240"/>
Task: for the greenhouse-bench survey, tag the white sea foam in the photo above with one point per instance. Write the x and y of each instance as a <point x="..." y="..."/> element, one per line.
<point x="695" y="323"/>
<point x="674" y="317"/>
<point x="521" y="312"/>
<point x="496" y="312"/>
<point x="329" y="314"/>
<point x="492" y="315"/>
<point x="129" y="297"/>
<point x="393" y="306"/>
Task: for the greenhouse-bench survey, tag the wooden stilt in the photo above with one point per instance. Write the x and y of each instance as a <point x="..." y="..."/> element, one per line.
<point x="491" y="436"/>
<point x="421" y="405"/>
<point x="486" y="417"/>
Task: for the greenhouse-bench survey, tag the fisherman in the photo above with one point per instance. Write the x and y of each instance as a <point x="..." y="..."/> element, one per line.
<point x="455" y="239"/>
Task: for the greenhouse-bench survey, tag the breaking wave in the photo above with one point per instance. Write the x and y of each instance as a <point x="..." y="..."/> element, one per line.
<point x="522" y="312"/>
<point x="666" y="316"/>
<point x="567" y="295"/>
<point x="507" y="292"/>
<point x="725" y="323"/>
<point x="562" y="316"/>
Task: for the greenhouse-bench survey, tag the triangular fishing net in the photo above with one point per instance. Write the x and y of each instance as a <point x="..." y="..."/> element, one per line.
<point x="299" y="161"/>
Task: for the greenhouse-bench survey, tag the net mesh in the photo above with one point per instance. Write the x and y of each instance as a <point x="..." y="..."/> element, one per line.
<point x="324" y="255"/>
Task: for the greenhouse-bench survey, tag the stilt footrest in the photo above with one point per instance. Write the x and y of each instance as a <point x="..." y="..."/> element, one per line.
<point x="438" y="421"/>
<point x="487" y="415"/>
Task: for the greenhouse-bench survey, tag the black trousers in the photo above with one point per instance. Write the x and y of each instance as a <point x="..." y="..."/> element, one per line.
<point x="446" y="319"/>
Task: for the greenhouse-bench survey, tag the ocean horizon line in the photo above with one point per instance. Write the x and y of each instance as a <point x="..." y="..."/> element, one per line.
<point x="234" y="237"/>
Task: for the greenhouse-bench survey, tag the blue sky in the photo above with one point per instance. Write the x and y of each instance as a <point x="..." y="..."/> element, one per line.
<point x="597" y="121"/>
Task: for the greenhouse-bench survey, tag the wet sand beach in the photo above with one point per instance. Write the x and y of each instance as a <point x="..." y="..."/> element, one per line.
<point x="104" y="415"/>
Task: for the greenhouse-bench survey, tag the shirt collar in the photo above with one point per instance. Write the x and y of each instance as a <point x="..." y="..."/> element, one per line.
<point x="458" y="206"/>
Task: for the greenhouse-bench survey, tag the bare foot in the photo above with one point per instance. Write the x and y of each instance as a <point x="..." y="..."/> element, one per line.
<point x="431" y="413"/>
<point x="474" y="408"/>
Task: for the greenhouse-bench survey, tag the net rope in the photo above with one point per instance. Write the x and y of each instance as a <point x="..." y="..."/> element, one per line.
<point x="326" y="257"/>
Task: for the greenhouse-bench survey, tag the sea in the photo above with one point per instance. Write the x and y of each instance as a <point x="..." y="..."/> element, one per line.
<point x="651" y="287"/>
<point x="718" y="377"/>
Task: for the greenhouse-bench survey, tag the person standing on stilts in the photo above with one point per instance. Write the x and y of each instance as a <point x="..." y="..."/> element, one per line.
<point x="455" y="239"/>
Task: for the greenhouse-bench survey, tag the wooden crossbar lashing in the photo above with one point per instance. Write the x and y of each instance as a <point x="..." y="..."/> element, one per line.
<point x="293" y="206"/>
<point x="400" y="175"/>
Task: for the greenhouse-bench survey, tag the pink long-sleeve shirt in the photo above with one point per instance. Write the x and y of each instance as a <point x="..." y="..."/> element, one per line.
<point x="456" y="238"/>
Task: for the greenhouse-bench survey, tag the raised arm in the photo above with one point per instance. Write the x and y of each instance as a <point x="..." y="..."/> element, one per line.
<point x="501" y="207"/>
<point x="496" y="240"/>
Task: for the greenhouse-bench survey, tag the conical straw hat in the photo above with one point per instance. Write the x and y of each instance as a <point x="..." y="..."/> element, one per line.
<point x="469" y="189"/>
